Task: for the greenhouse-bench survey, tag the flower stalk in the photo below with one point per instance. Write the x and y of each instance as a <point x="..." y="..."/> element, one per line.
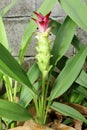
<point x="43" y="60"/>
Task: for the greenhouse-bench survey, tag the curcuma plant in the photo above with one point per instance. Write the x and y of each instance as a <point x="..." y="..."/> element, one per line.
<point x="35" y="87"/>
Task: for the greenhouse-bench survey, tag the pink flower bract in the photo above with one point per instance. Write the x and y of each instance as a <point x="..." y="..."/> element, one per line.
<point x="42" y="21"/>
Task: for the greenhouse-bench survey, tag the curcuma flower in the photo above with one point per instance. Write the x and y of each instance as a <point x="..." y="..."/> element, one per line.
<point x="44" y="50"/>
<point x="42" y="21"/>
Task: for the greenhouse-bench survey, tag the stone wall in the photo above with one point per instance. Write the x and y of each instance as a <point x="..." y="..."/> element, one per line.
<point x="18" y="17"/>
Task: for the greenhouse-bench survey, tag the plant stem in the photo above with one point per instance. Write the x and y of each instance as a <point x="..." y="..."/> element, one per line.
<point x="9" y="91"/>
<point x="8" y="85"/>
<point x="13" y="124"/>
<point x="40" y="104"/>
<point x="49" y="101"/>
<point x="43" y="89"/>
<point x="1" y="124"/>
<point x="15" y="91"/>
<point x="47" y="109"/>
<point x="43" y="98"/>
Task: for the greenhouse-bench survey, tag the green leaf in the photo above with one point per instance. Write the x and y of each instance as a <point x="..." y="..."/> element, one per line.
<point x="56" y="25"/>
<point x="76" y="43"/>
<point x="67" y="121"/>
<point x="75" y="9"/>
<point x="63" y="39"/>
<point x="10" y="66"/>
<point x="82" y="90"/>
<point x="76" y="97"/>
<point x="8" y="7"/>
<point x="13" y="111"/>
<point x="85" y="2"/>
<point x="68" y="111"/>
<point x="82" y="79"/>
<point x="33" y="75"/>
<point x="69" y="73"/>
<point x="31" y="27"/>
<point x="3" y="37"/>
<point x="26" y="96"/>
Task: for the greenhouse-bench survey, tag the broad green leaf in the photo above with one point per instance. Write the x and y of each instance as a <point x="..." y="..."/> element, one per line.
<point x="68" y="111"/>
<point x="63" y="39"/>
<point x="3" y="37"/>
<point x="77" y="10"/>
<point x="10" y="66"/>
<point x="82" y="79"/>
<point x="13" y="111"/>
<point x="26" y="96"/>
<point x="31" y="27"/>
<point x="33" y="75"/>
<point x="75" y="41"/>
<point x="56" y="25"/>
<point x="69" y="73"/>
<point x="8" y="7"/>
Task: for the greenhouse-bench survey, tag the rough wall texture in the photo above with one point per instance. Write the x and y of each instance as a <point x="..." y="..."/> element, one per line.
<point x="18" y="17"/>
